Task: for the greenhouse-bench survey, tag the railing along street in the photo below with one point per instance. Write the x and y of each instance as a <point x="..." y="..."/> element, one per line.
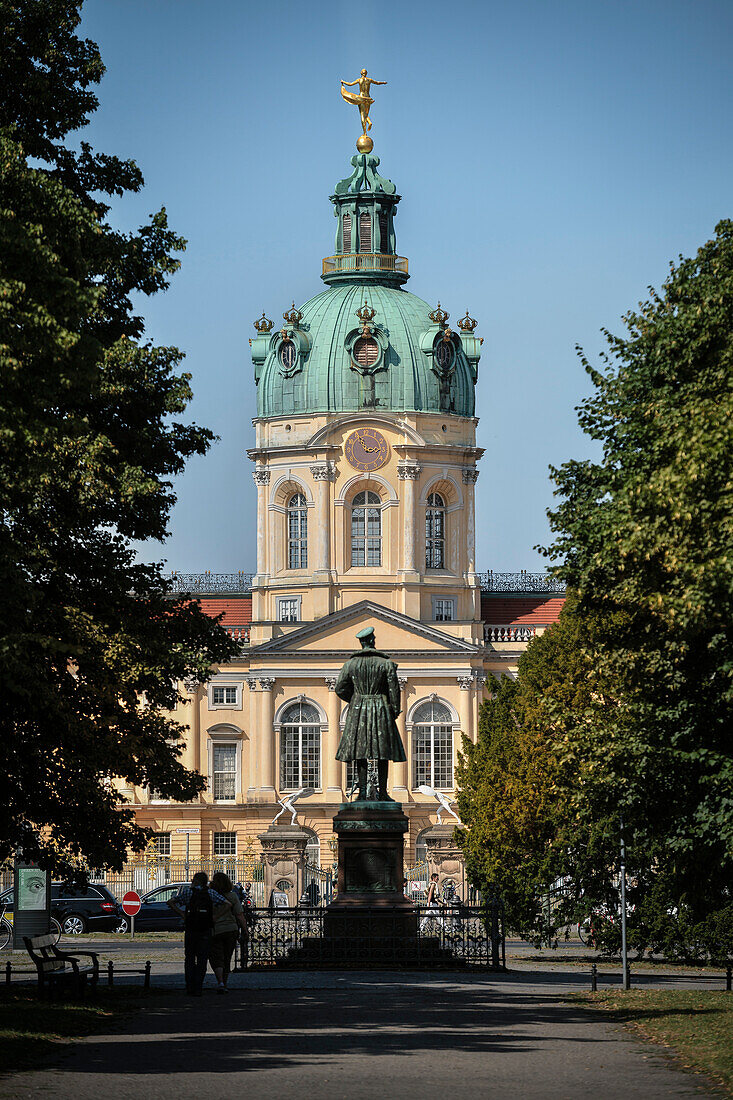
<point x="446" y="936"/>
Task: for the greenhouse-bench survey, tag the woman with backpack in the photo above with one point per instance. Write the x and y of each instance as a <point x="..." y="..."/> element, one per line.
<point x="200" y="907"/>
<point x="227" y="929"/>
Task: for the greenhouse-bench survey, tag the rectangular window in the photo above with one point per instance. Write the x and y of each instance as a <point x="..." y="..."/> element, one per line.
<point x="224" y="696"/>
<point x="288" y="609"/>
<point x="224" y="768"/>
<point x="225" y="844"/>
<point x="444" y="610"/>
<point x="162" y="845"/>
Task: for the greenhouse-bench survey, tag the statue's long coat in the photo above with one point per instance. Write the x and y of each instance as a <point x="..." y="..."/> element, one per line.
<point x="368" y="683"/>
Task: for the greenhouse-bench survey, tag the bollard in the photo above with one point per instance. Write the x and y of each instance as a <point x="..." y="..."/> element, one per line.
<point x="728" y="979"/>
<point x="146" y="983"/>
<point x="627" y="983"/>
<point x="594" y="979"/>
<point x="9" y="970"/>
<point x="110" y="973"/>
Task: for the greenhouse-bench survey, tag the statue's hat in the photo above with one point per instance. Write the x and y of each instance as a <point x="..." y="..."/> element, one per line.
<point x="367" y="632"/>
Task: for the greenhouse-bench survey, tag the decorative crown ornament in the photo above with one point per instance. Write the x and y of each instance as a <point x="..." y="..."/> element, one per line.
<point x="263" y="324"/>
<point x="467" y="323"/>
<point x="365" y="315"/>
<point x="439" y="316"/>
<point x="293" y="316"/>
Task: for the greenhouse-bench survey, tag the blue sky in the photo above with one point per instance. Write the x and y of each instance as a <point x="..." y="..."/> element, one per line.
<point x="553" y="157"/>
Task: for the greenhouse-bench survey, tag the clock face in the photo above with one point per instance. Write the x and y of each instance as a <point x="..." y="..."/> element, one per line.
<point x="366" y="449"/>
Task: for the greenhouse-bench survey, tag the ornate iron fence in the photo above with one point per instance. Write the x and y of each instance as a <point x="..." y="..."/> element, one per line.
<point x="443" y="936"/>
<point x="543" y="583"/>
<point x="202" y="584"/>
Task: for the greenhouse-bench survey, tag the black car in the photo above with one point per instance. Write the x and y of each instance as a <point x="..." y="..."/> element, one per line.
<point x="154" y="915"/>
<point x="79" y="908"/>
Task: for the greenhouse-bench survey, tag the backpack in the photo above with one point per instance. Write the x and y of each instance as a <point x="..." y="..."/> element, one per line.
<point x="199" y="912"/>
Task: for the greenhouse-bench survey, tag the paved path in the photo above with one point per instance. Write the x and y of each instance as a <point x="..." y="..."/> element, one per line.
<point x="363" y="1036"/>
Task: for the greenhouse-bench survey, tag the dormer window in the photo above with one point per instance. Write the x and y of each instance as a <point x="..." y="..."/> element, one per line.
<point x="366" y="351"/>
<point x="365" y="233"/>
<point x="287" y="354"/>
<point x="347" y="233"/>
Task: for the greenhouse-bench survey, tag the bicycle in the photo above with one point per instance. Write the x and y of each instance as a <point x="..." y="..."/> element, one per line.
<point x="6" y="928"/>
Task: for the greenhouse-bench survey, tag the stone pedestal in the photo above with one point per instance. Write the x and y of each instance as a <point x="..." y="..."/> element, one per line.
<point x="443" y="854"/>
<point x="283" y="852"/>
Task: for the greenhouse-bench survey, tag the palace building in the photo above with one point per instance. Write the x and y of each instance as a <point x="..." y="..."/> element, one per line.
<point x="365" y="462"/>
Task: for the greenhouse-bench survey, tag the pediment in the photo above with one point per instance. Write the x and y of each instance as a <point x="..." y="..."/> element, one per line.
<point x="395" y="633"/>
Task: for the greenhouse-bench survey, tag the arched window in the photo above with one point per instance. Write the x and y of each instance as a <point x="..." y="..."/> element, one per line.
<point x="366" y="351"/>
<point x="347" y="233"/>
<point x="300" y="747"/>
<point x="432" y="746"/>
<point x="365" y="233"/>
<point x="366" y="530"/>
<point x="313" y="850"/>
<point x="297" y="532"/>
<point x="435" y="532"/>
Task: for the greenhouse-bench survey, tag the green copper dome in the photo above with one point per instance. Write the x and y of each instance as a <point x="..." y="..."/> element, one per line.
<point x="364" y="342"/>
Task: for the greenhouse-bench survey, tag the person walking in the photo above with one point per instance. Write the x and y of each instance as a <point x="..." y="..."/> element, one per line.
<point x="199" y="906"/>
<point x="432" y="911"/>
<point x="227" y="929"/>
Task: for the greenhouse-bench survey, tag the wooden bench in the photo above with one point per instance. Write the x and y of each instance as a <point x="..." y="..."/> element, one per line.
<point x="59" y="968"/>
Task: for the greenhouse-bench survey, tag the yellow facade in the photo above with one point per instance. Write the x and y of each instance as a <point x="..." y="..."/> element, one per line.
<point x="286" y="662"/>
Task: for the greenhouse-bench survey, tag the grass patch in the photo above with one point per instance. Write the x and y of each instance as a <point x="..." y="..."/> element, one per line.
<point x="697" y="1027"/>
<point x="32" y="1032"/>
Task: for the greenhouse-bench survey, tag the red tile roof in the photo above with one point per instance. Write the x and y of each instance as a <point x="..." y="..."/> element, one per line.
<point x="237" y="609"/>
<point x="539" y="610"/>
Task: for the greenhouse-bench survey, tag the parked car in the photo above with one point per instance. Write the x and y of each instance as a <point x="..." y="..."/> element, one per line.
<point x="154" y="915"/>
<point x="79" y="908"/>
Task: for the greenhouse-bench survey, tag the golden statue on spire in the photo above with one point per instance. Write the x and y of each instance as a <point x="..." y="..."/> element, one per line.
<point x="363" y="101"/>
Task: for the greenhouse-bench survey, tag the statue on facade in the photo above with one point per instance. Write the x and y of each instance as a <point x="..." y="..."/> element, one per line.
<point x="368" y="683"/>
<point x="363" y="101"/>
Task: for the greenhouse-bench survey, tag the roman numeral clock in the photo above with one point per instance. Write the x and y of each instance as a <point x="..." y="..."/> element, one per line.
<point x="366" y="450"/>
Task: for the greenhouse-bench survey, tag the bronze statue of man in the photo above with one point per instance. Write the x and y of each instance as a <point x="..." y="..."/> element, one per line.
<point x="368" y="683"/>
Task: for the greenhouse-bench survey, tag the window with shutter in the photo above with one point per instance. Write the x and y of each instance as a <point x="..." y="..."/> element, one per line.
<point x="384" y="231"/>
<point x="365" y="233"/>
<point x="366" y="351"/>
<point x="347" y="233"/>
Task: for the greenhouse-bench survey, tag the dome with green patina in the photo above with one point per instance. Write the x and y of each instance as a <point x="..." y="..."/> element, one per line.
<point x="365" y="342"/>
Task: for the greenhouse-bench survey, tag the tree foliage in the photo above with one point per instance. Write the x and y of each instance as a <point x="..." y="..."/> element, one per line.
<point x="645" y="536"/>
<point x="92" y="642"/>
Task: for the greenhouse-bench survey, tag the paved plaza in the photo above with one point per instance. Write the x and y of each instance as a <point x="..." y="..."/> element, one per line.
<point x="363" y="1035"/>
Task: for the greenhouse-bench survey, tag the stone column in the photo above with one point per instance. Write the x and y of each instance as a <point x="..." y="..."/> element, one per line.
<point x="266" y="740"/>
<point x="322" y="475"/>
<point x="465" y="715"/>
<point x="262" y="480"/>
<point x="283" y="851"/>
<point x="253" y="729"/>
<point x="401" y="772"/>
<point x="470" y="477"/>
<point x="409" y="472"/>
<point x="194" y="762"/>
<point x="332" y="768"/>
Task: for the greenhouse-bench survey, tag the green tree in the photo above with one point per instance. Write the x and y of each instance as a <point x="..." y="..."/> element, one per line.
<point x="644" y="535"/>
<point x="513" y="795"/>
<point x="90" y="439"/>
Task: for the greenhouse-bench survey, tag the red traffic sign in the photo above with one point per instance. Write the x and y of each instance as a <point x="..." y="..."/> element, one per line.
<point x="131" y="903"/>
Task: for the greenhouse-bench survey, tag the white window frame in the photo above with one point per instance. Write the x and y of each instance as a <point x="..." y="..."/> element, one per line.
<point x="225" y="684"/>
<point x="166" y="837"/>
<point x="297" y="600"/>
<point x="322" y="725"/>
<point x="224" y="855"/>
<point x="219" y="740"/>
<point x="410" y="724"/>
<point x="444" y="599"/>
